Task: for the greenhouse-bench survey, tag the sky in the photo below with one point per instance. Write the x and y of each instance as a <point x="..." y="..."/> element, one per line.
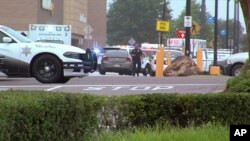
<point x="179" y="5"/>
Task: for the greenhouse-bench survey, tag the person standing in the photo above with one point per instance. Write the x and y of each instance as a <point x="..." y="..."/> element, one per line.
<point x="136" y="54"/>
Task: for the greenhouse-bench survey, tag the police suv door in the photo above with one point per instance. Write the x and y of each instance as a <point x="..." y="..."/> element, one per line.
<point x="9" y="55"/>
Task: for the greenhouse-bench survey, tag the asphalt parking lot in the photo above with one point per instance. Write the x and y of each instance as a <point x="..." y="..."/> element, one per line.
<point x="114" y="84"/>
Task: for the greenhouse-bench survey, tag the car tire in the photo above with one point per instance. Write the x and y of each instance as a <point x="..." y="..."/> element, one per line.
<point x="236" y="70"/>
<point x="47" y="69"/>
<point x="147" y="70"/>
<point x="152" y="73"/>
<point x="101" y="71"/>
<point x="144" y="72"/>
<point x="130" y="73"/>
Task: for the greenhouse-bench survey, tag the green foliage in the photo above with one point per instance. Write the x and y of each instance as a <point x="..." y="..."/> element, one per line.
<point x="209" y="28"/>
<point x="178" y="24"/>
<point x="27" y="115"/>
<point x="244" y="43"/>
<point x="46" y="116"/>
<point x="181" y="110"/>
<point x="206" y="133"/>
<point x="240" y="83"/>
<point x="134" y="19"/>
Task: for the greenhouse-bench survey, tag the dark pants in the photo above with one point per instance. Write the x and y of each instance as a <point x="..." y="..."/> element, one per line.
<point x="136" y="67"/>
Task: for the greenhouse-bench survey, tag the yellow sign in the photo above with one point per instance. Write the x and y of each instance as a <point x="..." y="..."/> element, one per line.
<point x="162" y="26"/>
<point x="211" y="43"/>
<point x="195" y="29"/>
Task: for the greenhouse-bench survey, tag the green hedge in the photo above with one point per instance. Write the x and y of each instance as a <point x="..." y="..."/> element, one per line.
<point x="39" y="116"/>
<point x="179" y="110"/>
<point x="27" y="115"/>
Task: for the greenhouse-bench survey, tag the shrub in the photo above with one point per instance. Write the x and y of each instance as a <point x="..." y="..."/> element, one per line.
<point x="240" y="83"/>
<point x="26" y="115"/>
<point x="46" y="116"/>
<point x="181" y="110"/>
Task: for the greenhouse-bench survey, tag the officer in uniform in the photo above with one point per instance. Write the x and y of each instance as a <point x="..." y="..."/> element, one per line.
<point x="136" y="54"/>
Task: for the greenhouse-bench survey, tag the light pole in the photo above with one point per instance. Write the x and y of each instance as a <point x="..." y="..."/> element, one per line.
<point x="215" y="32"/>
<point x="236" y="26"/>
<point x="203" y="19"/>
<point x="163" y="18"/>
<point x="187" y="37"/>
<point x="227" y="24"/>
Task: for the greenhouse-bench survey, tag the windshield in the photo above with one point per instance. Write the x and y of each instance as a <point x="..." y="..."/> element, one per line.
<point x="16" y="35"/>
<point x="174" y="54"/>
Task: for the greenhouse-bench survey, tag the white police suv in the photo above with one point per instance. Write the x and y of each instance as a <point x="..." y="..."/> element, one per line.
<point x="47" y="62"/>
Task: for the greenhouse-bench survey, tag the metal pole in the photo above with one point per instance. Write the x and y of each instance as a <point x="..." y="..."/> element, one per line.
<point x="234" y="35"/>
<point x="187" y="38"/>
<point x="203" y="18"/>
<point x="238" y="27"/>
<point x="215" y="32"/>
<point x="227" y="24"/>
<point x="163" y="18"/>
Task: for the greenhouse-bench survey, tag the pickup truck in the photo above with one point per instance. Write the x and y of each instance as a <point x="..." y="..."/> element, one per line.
<point x="47" y="62"/>
<point x="234" y="63"/>
<point x="208" y="58"/>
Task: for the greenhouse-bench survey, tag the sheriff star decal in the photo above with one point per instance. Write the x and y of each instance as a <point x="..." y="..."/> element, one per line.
<point x="26" y="51"/>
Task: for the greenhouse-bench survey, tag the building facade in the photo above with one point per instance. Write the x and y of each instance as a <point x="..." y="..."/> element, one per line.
<point x="86" y="17"/>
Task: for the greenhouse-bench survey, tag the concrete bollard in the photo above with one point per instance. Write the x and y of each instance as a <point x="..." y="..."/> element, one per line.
<point x="159" y="62"/>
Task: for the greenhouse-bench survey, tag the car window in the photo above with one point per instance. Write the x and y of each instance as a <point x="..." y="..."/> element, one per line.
<point x="16" y="35"/>
<point x="148" y="53"/>
<point x="174" y="54"/>
<point x="117" y="53"/>
<point x="4" y="35"/>
<point x="210" y="55"/>
<point x="1" y="36"/>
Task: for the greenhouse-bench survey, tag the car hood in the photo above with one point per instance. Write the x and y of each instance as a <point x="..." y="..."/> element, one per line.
<point x="239" y="55"/>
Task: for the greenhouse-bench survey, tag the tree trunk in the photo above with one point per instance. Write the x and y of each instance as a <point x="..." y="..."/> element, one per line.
<point x="245" y="5"/>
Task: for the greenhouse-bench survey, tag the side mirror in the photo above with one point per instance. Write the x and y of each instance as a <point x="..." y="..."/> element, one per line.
<point x="7" y="40"/>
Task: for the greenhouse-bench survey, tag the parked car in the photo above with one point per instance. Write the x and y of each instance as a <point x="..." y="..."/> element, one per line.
<point x="148" y="55"/>
<point x="174" y="54"/>
<point x="118" y="61"/>
<point x="234" y="63"/>
<point x="101" y="53"/>
<point x="208" y="58"/>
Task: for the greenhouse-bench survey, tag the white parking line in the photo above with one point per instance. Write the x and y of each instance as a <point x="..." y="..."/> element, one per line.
<point x="122" y="85"/>
<point x="100" y="87"/>
<point x="50" y="89"/>
<point x="56" y="87"/>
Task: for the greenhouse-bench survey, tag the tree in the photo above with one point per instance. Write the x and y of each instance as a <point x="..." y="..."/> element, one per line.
<point x="134" y="19"/>
<point x="196" y="16"/>
<point x="245" y="5"/>
<point x="222" y="36"/>
<point x="244" y="43"/>
<point x="209" y="28"/>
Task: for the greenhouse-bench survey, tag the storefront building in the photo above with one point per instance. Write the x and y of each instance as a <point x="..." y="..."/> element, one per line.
<point x="86" y="17"/>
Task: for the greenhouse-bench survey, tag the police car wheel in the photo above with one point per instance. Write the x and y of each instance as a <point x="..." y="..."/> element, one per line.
<point x="47" y="69"/>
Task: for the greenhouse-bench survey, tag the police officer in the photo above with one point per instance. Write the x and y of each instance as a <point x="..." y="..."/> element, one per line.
<point x="136" y="54"/>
